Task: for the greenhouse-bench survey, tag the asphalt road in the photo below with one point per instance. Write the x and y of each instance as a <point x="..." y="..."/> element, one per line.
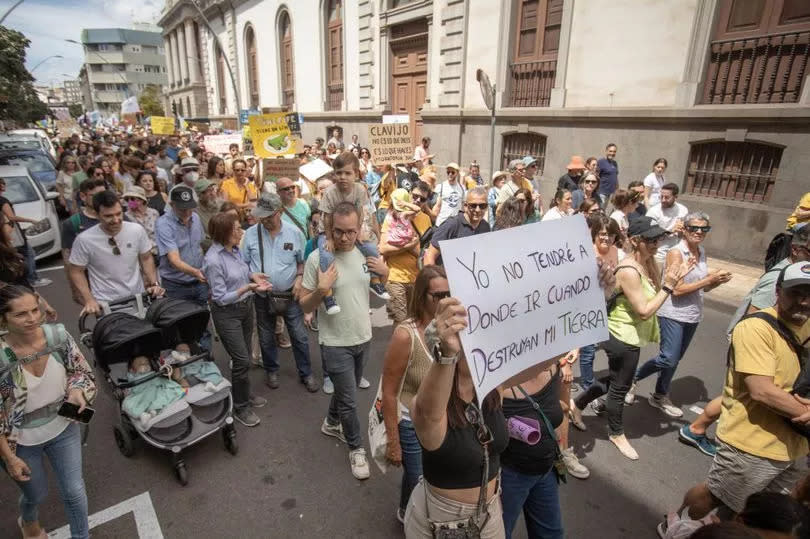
<point x="289" y="480"/>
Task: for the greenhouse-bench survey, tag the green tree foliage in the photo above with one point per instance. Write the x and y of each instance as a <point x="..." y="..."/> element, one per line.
<point x="150" y="101"/>
<point x="75" y="110"/>
<point x="18" y="100"/>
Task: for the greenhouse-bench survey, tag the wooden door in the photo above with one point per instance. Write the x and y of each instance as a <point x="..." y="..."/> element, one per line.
<point x="409" y="76"/>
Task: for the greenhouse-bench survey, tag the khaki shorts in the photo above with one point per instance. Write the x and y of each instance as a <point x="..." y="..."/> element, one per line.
<point x="735" y="475"/>
<point x="397" y="306"/>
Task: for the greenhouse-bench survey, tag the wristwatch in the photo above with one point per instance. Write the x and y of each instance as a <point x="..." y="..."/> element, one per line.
<point x="442" y="359"/>
<point x="666" y="289"/>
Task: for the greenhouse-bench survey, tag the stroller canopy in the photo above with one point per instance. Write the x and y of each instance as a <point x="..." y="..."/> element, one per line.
<point x="179" y="320"/>
<point x="119" y="337"/>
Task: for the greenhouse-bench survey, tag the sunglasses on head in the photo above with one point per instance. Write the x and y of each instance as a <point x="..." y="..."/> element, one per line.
<point x="112" y="243"/>
<point x="481" y="206"/>
<point x="438" y="296"/>
<point x="696" y="228"/>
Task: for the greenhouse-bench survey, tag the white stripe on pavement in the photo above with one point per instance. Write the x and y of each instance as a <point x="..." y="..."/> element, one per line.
<point x="52" y="268"/>
<point x="140" y="506"/>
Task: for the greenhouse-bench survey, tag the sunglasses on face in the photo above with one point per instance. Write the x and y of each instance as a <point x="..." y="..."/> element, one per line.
<point x="695" y="228"/>
<point x="451" y="171"/>
<point x="591" y="181"/>
<point x="417" y="198"/>
<point x="112" y="243"/>
<point x="473" y="206"/>
<point x="438" y="296"/>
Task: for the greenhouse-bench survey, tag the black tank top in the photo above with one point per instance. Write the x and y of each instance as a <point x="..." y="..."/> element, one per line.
<point x="457" y="462"/>
<point x="156" y="202"/>
<point x="534" y="459"/>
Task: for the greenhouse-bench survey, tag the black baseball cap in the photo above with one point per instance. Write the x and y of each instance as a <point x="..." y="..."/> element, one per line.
<point x="646" y="227"/>
<point x="182" y="197"/>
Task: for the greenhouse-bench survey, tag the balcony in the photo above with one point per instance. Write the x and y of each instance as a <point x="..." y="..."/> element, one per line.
<point x="334" y="97"/>
<point x="768" y="69"/>
<point x="531" y="83"/>
<point x="109" y="96"/>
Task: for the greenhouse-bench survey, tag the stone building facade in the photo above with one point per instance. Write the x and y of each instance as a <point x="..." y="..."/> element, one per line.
<point x="719" y="88"/>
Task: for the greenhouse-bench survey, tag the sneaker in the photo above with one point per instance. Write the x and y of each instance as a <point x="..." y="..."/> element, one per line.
<point x="624" y="446"/>
<point x="247" y="417"/>
<point x="333" y="430"/>
<point x="328" y="386"/>
<point x="598" y="407"/>
<point x="257" y="401"/>
<point x="310" y="383"/>
<point x="572" y="464"/>
<point x="630" y="398"/>
<point x="331" y="305"/>
<point x="401" y="515"/>
<point x="283" y="340"/>
<point x="700" y="441"/>
<point x="575" y="416"/>
<point x="662" y="529"/>
<point x="42" y="281"/>
<point x="662" y="402"/>
<point x="380" y="291"/>
<point x="357" y="458"/>
<point x="271" y="380"/>
<point x="364" y="384"/>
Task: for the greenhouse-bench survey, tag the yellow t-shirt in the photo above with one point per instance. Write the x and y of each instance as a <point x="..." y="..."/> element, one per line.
<point x="236" y="194"/>
<point x="403" y="267"/>
<point x="749" y="425"/>
<point x="804" y="204"/>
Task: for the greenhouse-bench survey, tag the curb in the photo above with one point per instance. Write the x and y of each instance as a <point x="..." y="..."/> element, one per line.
<point x="723" y="306"/>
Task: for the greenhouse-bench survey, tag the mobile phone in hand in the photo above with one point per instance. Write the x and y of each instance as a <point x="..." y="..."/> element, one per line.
<point x="71" y="411"/>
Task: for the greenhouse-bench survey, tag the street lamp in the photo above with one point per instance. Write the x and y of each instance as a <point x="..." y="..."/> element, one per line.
<point x="45" y="60"/>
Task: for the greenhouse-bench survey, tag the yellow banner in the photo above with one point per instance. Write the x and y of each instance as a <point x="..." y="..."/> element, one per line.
<point x="162" y="125"/>
<point x="271" y="135"/>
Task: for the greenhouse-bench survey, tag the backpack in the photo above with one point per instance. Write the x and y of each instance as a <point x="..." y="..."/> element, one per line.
<point x="778" y="249"/>
<point x="801" y="386"/>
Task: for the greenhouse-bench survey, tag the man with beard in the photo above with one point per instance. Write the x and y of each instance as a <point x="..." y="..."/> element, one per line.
<point x="669" y="215"/>
<point x="208" y="206"/>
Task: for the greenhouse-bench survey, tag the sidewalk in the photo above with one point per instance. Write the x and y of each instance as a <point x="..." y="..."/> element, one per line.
<point x="727" y="297"/>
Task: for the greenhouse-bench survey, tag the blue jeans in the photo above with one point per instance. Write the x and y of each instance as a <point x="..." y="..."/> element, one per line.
<point x="196" y="292"/>
<point x="586" y="357"/>
<point x="675" y="339"/>
<point x="344" y="364"/>
<point x="30" y="264"/>
<point x="65" y="456"/>
<point x="266" y="324"/>
<point x="368" y="248"/>
<point x="411" y="461"/>
<point x="538" y="497"/>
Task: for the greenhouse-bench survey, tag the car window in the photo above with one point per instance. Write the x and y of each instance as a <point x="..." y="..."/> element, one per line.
<point x="34" y="162"/>
<point x="20" y="145"/>
<point x="20" y="189"/>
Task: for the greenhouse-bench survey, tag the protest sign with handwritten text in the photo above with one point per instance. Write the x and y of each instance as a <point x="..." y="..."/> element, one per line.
<point x="280" y="168"/>
<point x="220" y="144"/>
<point x="162" y="125"/>
<point x="531" y="293"/>
<point x="390" y="144"/>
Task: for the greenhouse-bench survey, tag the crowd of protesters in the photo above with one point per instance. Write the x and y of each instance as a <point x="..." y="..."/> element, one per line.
<point x="278" y="258"/>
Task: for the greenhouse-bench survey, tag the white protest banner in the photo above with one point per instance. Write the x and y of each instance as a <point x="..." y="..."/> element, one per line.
<point x="390" y="144"/>
<point x="218" y="144"/>
<point x="531" y="293"/>
<point x="396" y="119"/>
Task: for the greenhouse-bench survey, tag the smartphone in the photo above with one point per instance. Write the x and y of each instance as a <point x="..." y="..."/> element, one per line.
<point x="71" y="411"/>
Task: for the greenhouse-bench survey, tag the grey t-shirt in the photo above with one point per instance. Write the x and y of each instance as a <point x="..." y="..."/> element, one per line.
<point x="762" y="296"/>
<point x="352" y="325"/>
<point x="112" y="276"/>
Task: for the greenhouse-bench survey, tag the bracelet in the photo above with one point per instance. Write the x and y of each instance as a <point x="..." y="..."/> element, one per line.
<point x="666" y="289"/>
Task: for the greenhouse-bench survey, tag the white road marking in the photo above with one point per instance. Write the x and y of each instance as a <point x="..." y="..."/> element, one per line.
<point x="140" y="506"/>
<point x="52" y="268"/>
<point x="696" y="409"/>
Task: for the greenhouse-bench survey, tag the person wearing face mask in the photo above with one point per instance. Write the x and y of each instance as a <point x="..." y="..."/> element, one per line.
<point x="190" y="167"/>
<point x="139" y="212"/>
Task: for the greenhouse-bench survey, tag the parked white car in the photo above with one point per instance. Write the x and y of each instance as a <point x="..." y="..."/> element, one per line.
<point x="32" y="201"/>
<point x="41" y="136"/>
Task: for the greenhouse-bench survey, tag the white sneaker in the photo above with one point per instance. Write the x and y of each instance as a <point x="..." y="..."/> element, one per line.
<point x="328" y="386"/>
<point x="357" y="458"/>
<point x="630" y="398"/>
<point x="42" y="281"/>
<point x="572" y="464"/>
<point x="663" y="403"/>
<point x="364" y="384"/>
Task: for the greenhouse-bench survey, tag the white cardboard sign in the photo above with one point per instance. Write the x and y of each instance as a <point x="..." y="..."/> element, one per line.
<point x="531" y="293"/>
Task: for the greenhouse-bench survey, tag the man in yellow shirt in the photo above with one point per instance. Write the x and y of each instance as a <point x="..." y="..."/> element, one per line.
<point x="801" y="215"/>
<point x="758" y="450"/>
<point x="238" y="189"/>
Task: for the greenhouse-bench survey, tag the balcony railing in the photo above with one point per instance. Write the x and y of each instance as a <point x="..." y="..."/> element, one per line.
<point x="767" y="69"/>
<point x="531" y="83"/>
<point x="334" y="98"/>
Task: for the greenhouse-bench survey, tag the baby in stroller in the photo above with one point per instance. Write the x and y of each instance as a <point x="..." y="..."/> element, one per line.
<point x="198" y="372"/>
<point x="148" y="399"/>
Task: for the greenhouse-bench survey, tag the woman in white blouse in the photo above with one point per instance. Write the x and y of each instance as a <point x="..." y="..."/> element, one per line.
<point x="654" y="182"/>
<point x="561" y="207"/>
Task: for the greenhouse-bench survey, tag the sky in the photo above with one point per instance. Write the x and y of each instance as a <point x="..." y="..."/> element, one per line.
<point x="48" y="23"/>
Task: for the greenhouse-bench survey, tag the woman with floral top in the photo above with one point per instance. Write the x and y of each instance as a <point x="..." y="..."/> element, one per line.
<point x="41" y="366"/>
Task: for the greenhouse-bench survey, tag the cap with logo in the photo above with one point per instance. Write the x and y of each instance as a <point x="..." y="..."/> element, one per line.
<point x="267" y="205"/>
<point x="795" y="275"/>
<point x="182" y="197"/>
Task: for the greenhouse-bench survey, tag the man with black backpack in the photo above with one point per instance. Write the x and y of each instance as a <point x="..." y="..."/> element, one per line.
<point x="760" y="447"/>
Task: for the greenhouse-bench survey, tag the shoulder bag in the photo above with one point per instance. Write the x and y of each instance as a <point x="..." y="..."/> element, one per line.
<point x="559" y="466"/>
<point x="294" y="220"/>
<point x="277" y="302"/>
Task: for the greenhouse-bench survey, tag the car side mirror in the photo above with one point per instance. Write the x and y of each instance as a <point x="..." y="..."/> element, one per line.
<point x="51" y="195"/>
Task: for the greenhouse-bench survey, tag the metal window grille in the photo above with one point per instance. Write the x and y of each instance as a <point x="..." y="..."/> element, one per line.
<point x="744" y="171"/>
<point x="519" y="145"/>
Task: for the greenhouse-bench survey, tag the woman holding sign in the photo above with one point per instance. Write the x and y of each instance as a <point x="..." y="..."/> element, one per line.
<point x="632" y="323"/>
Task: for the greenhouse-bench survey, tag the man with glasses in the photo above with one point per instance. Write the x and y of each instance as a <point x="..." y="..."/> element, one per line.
<point x="517" y="181"/>
<point x="469" y="223"/>
<point x="450" y="195"/>
<point x="238" y="189"/>
<point x="275" y="248"/>
<point x="294" y="211"/>
<point x="668" y="214"/>
<point x="114" y="253"/>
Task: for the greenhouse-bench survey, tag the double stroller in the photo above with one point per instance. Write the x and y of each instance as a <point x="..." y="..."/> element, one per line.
<point x="193" y="411"/>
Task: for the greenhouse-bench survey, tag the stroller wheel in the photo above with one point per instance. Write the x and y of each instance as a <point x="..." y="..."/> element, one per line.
<point x="229" y="437"/>
<point x="125" y="443"/>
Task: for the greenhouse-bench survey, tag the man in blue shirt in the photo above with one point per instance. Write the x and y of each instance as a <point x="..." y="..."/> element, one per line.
<point x="178" y="234"/>
<point x="608" y="170"/>
<point x="276" y="248"/>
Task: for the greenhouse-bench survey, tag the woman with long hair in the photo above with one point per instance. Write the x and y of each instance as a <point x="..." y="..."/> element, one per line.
<point x="625" y="203"/>
<point x="387" y="186"/>
<point x="64" y="181"/>
<point x="530" y="213"/>
<point x="588" y="188"/>
<point x="653" y="183"/>
<point x="510" y="214"/>
<point x="45" y="367"/>
<point x="216" y="170"/>
<point x="560" y="206"/>
<point x="641" y="291"/>
<point x="590" y="207"/>
<point x="590" y="167"/>
<point x="406" y="363"/>
<point x="366" y="164"/>
<point x="155" y="198"/>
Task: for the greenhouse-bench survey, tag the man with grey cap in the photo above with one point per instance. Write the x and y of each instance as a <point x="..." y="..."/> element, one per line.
<point x="179" y="233"/>
<point x="276" y="248"/>
<point x="758" y="448"/>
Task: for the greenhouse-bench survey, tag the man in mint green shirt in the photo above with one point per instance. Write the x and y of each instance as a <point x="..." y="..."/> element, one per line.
<point x="295" y="211"/>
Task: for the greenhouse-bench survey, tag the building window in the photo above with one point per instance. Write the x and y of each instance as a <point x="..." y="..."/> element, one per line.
<point x="253" y="66"/>
<point x="759" y="52"/>
<point x="743" y="171"/>
<point x="221" y="79"/>
<point x="287" y="67"/>
<point x="534" y="59"/>
<point x="334" y="54"/>
<point x="519" y="145"/>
